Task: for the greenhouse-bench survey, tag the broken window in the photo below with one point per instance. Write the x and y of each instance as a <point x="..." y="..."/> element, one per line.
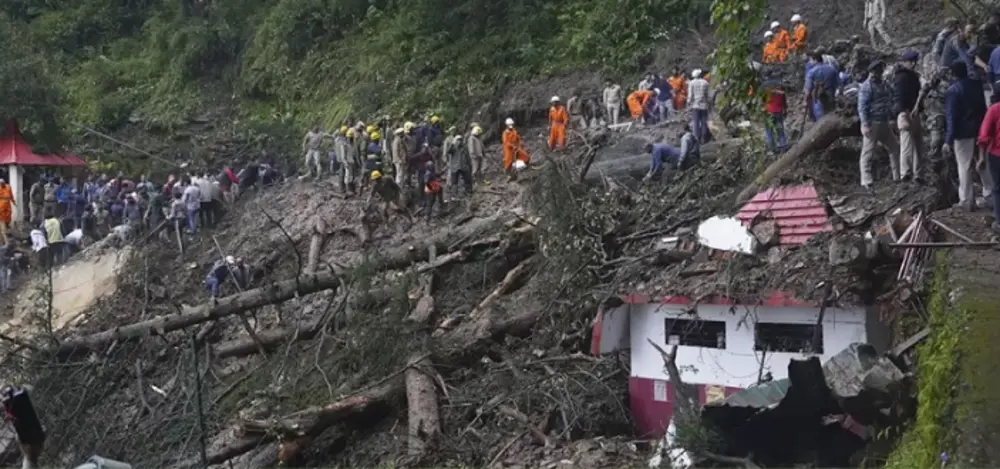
<point x="696" y="333"/>
<point x="781" y="337"/>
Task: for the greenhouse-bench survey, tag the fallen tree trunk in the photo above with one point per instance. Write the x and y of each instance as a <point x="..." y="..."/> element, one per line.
<point x="637" y="166"/>
<point x="424" y="418"/>
<point x="457" y="347"/>
<point x="821" y="135"/>
<point x="275" y="293"/>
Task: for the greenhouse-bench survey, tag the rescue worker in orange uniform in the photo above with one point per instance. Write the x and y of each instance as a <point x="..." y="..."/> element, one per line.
<point x="678" y="81"/>
<point x="782" y="40"/>
<point x="770" y="53"/>
<point x="637" y="102"/>
<point x="512" y="149"/>
<point x="6" y="209"/>
<point x="558" y="119"/>
<point x="799" y="34"/>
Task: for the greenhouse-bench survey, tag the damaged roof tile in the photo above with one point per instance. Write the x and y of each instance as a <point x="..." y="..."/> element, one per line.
<point x="797" y="209"/>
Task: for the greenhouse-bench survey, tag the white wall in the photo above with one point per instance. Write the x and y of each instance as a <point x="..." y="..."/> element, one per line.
<point x="736" y="365"/>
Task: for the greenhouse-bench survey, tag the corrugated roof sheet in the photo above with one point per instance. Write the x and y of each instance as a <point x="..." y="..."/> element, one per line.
<point x="797" y="209"/>
<point x="759" y="397"/>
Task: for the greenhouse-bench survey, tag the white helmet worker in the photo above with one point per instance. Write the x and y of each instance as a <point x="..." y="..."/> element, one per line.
<point x="768" y="34"/>
<point x="555" y="99"/>
<point x="774" y="25"/>
<point x="796" y="18"/>
<point x="509" y="122"/>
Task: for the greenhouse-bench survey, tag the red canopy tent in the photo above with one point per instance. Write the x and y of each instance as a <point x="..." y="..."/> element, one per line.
<point x="15" y="150"/>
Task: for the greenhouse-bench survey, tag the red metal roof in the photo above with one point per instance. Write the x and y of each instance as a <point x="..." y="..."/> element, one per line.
<point x="15" y="150"/>
<point x="797" y="209"/>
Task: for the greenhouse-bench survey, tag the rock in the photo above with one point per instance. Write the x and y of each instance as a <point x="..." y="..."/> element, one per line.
<point x="775" y="255"/>
<point x="767" y="233"/>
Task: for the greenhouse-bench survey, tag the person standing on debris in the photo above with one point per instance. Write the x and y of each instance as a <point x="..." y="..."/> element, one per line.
<point x="558" y="119"/>
<point x="36" y="198"/>
<point x="875" y="12"/>
<point x="989" y="143"/>
<point x="941" y="40"/>
<point x="776" y="106"/>
<point x="513" y="150"/>
<point x="875" y="112"/>
<point x="459" y="166"/>
<point x="677" y="158"/>
<point x="341" y="149"/>
<point x="574" y="110"/>
<point x="400" y="155"/>
<point x="389" y="192"/>
<point x="965" y="108"/>
<point x="612" y="98"/>
<point x="822" y="81"/>
<point x="782" y="41"/>
<point x="477" y="155"/>
<point x="310" y="146"/>
<point x="800" y="34"/>
<point x="217" y="275"/>
<point x="6" y="265"/>
<point x="206" y="211"/>
<point x="698" y="95"/>
<point x="7" y="203"/>
<point x="637" y="101"/>
<point x="54" y="236"/>
<point x="433" y="192"/>
<point x="192" y="202"/>
<point x="906" y="89"/>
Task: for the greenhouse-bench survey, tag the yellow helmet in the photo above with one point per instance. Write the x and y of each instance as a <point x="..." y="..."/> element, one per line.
<point x="375" y="135"/>
<point x="371" y="128"/>
<point x="408" y="126"/>
<point x="477" y="130"/>
<point x="350" y="132"/>
<point x="376" y="175"/>
<point x="343" y="129"/>
<point x="435" y="119"/>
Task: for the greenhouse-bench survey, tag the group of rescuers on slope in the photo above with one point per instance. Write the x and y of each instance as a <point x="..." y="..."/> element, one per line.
<point x="949" y="89"/>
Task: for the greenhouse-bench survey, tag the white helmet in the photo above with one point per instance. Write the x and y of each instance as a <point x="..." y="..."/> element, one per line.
<point x="775" y="24"/>
<point x="509" y="122"/>
<point x="555" y="99"/>
<point x="696" y="73"/>
<point x="796" y="18"/>
<point x="230" y="260"/>
<point x="520" y="165"/>
<point x="768" y="34"/>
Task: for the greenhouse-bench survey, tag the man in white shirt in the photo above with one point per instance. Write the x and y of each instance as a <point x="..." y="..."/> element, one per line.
<point x="612" y="101"/>
<point x="192" y="202"/>
<point x="206" y="211"/>
<point x="698" y="102"/>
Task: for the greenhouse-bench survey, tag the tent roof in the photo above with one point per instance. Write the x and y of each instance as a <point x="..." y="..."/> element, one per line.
<point x="15" y="150"/>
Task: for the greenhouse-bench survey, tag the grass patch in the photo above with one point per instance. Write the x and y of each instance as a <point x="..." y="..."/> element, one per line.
<point x="938" y="374"/>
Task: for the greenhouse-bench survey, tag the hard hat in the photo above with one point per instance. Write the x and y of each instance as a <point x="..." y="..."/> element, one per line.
<point x="350" y="132"/>
<point x="796" y="18"/>
<point x="375" y="135"/>
<point x="360" y="125"/>
<point x="452" y="129"/>
<point x="477" y="130"/>
<point x="473" y="124"/>
<point x="371" y="128"/>
<point x="696" y="73"/>
<point x="230" y="260"/>
<point x="343" y="129"/>
<point x="435" y="119"/>
<point x="398" y="131"/>
<point x="519" y="165"/>
<point x="657" y="91"/>
<point x="376" y="175"/>
<point x="408" y="126"/>
<point x="555" y="99"/>
<point x="775" y="24"/>
<point x="509" y="122"/>
<point x="458" y="137"/>
<point x="769" y="33"/>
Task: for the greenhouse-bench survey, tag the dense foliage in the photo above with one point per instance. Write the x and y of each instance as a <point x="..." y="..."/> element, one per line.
<point x="102" y="62"/>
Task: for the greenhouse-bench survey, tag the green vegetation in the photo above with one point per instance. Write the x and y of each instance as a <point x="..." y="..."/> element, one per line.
<point x="938" y="374"/>
<point x="101" y="62"/>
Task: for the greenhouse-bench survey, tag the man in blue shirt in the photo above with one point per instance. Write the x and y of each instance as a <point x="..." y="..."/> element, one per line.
<point x="964" y="109"/>
<point x="677" y="158"/>
<point x="875" y="110"/>
<point x="822" y="81"/>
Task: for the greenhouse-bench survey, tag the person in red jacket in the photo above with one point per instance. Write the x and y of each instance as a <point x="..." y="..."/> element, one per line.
<point x="776" y="107"/>
<point x="989" y="142"/>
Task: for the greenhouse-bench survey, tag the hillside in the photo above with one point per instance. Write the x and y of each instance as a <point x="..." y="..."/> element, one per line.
<point x="488" y="309"/>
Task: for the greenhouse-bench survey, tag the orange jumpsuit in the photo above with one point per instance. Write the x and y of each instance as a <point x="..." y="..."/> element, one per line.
<point x="680" y="86"/>
<point x="637" y="102"/>
<point x="783" y="41"/>
<point x="770" y="54"/>
<point x="6" y="204"/>
<point x="799" y="37"/>
<point x="558" y="119"/>
<point x="512" y="148"/>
